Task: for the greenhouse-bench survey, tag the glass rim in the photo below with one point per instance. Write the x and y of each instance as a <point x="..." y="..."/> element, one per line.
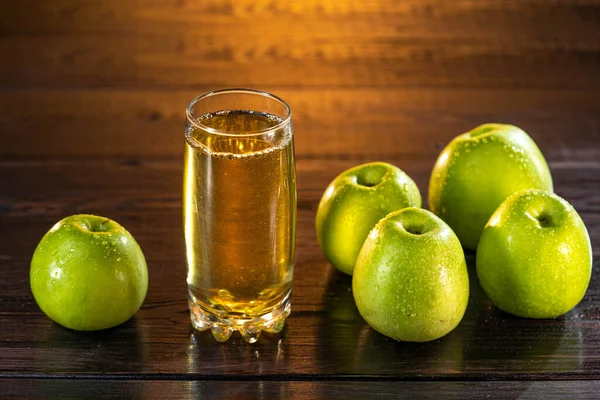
<point x="199" y="125"/>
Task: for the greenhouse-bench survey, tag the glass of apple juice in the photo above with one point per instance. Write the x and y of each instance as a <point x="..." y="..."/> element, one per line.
<point x="239" y="212"/>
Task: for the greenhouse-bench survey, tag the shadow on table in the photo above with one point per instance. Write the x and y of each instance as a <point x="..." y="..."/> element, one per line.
<point x="122" y="349"/>
<point x="487" y="343"/>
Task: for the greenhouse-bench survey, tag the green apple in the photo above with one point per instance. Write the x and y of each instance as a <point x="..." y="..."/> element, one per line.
<point x="354" y="202"/>
<point x="534" y="258"/>
<point x="88" y="273"/>
<point x="411" y="281"/>
<point x="478" y="170"/>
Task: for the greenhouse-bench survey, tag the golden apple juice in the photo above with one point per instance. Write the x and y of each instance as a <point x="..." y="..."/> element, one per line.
<point x="239" y="221"/>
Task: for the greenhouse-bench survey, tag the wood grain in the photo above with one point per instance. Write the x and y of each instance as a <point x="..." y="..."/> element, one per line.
<point x="176" y="62"/>
<point x="325" y="336"/>
<point x="92" y="101"/>
<point x="301" y="390"/>
<point x="182" y="44"/>
<point x="333" y="123"/>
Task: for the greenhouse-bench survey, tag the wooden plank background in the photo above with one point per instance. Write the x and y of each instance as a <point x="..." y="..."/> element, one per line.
<point x="365" y="79"/>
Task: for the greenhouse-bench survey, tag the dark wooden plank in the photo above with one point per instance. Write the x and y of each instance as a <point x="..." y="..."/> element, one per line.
<point x="342" y="123"/>
<point x="40" y="192"/>
<point x="325" y="336"/>
<point x="188" y="44"/>
<point x="118" y="389"/>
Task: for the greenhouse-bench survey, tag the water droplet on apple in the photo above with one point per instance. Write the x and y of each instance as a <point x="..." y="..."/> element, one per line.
<point x="413" y="315"/>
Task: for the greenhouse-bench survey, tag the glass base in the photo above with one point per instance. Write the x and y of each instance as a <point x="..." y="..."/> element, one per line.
<point x="250" y="329"/>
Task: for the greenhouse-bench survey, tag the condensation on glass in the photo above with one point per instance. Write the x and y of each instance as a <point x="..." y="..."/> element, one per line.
<point x="239" y="212"/>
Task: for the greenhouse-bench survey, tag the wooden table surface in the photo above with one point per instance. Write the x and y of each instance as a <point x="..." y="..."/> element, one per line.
<point x="92" y="100"/>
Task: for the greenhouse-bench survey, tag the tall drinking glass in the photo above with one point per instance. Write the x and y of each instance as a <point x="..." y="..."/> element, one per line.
<point x="239" y="212"/>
